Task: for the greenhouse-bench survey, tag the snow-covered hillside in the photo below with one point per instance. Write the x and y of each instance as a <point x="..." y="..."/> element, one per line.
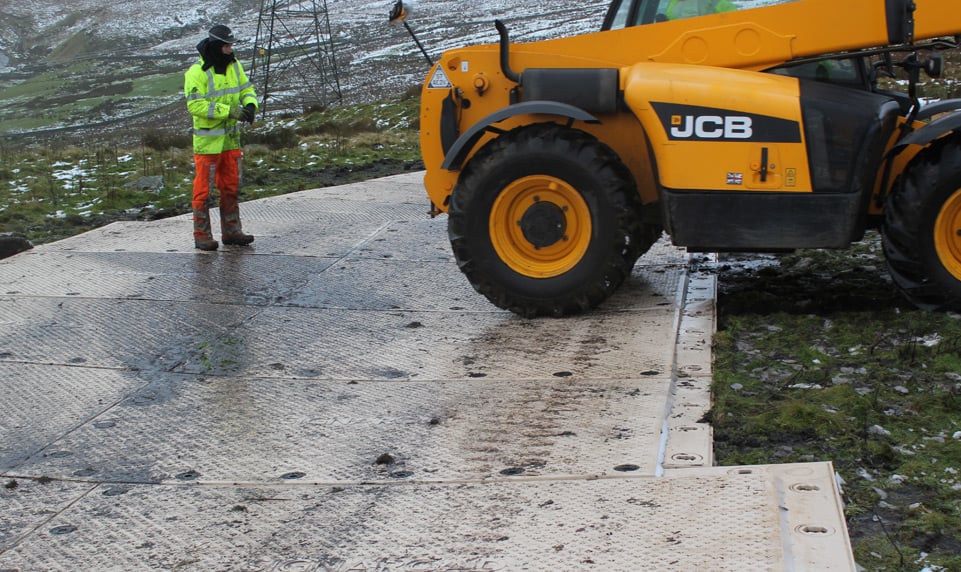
<point x="31" y="30"/>
<point x="65" y="63"/>
<point x="96" y="56"/>
<point x="379" y="55"/>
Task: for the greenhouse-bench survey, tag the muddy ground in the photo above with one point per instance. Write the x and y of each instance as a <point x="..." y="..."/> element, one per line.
<point x="819" y="358"/>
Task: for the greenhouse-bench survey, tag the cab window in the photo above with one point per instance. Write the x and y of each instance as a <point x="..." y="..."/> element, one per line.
<point x="848" y="71"/>
<point x="628" y="13"/>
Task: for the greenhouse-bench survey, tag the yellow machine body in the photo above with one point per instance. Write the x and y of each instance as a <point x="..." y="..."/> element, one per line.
<point x="732" y="137"/>
<point x="754" y="39"/>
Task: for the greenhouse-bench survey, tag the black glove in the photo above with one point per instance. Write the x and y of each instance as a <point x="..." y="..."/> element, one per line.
<point x="248" y="113"/>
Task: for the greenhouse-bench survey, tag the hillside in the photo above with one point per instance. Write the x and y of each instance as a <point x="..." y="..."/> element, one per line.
<point x="65" y="65"/>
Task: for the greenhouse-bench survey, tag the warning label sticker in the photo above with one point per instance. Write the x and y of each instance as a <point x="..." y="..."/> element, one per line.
<point x="439" y="79"/>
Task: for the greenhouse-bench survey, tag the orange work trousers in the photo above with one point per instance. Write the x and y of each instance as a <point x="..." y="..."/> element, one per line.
<point x="221" y="171"/>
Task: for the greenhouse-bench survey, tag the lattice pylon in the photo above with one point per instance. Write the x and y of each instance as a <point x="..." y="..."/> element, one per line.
<point x="294" y="55"/>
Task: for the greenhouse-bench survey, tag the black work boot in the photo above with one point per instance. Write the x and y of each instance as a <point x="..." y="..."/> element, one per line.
<point x="230" y="227"/>
<point x="237" y="239"/>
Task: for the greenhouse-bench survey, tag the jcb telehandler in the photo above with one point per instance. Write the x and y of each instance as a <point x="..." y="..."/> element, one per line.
<point x="759" y="126"/>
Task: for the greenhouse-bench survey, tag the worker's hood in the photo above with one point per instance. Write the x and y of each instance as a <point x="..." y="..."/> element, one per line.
<point x="211" y="51"/>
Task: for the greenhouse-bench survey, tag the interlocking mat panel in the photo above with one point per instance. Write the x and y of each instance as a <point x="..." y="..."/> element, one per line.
<point x="337" y="397"/>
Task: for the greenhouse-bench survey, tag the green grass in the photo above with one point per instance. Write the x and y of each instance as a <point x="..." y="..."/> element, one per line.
<point x="75" y="92"/>
<point x="159" y="85"/>
<point x="837" y="368"/>
<point x="38" y="83"/>
<point x="52" y="192"/>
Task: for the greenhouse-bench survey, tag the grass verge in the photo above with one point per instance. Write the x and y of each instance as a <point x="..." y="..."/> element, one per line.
<point x="818" y="359"/>
<point x="51" y="191"/>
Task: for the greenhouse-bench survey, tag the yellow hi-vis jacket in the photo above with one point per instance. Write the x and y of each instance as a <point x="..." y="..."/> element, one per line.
<point x="210" y="97"/>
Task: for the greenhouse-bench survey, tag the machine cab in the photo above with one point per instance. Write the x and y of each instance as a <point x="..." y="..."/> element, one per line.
<point x="627" y="13"/>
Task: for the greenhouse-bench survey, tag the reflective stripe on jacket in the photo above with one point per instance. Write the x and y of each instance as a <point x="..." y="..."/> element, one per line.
<point x="210" y="97"/>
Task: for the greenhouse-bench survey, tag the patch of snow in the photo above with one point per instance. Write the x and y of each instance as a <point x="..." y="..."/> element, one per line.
<point x="878" y="430"/>
<point x="929" y="341"/>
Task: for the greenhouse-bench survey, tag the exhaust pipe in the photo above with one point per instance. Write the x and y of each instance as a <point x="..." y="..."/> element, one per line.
<point x="505" y="53"/>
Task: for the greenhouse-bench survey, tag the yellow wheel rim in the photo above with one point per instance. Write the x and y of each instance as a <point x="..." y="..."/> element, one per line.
<point x="540" y="226"/>
<point x="947" y="234"/>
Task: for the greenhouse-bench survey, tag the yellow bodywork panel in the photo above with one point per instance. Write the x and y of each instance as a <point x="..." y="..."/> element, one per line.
<point x="935" y="18"/>
<point x="696" y="118"/>
<point x="469" y="68"/>
<point x="749" y="39"/>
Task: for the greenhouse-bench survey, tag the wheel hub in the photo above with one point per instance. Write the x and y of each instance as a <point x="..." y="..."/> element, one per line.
<point x="543" y="224"/>
<point x="947" y="236"/>
<point x="540" y="226"/>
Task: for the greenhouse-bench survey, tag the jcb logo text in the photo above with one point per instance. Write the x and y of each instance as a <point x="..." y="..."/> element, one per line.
<point x="711" y="127"/>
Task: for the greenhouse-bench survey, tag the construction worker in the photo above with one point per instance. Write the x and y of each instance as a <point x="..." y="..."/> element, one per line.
<point x="219" y="96"/>
<point x="677" y="9"/>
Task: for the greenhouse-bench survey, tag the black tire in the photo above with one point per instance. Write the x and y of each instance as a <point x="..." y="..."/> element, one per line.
<point x="922" y="222"/>
<point x="545" y="221"/>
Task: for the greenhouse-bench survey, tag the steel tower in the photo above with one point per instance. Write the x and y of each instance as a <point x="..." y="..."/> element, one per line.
<point x="295" y="55"/>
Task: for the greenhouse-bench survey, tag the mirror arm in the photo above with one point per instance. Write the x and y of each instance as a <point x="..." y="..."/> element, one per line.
<point x="416" y="41"/>
<point x="399" y="13"/>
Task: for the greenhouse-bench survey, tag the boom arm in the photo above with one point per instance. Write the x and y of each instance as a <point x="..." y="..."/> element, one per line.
<point x="770" y="36"/>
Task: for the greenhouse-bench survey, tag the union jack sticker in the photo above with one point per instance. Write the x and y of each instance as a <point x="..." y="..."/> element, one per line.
<point x="735" y="178"/>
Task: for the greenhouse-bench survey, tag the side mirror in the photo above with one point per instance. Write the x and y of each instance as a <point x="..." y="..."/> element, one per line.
<point x="399" y="12"/>
<point x="934" y="65"/>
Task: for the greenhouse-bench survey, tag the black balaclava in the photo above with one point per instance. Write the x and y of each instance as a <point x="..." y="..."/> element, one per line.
<point x="213" y="55"/>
